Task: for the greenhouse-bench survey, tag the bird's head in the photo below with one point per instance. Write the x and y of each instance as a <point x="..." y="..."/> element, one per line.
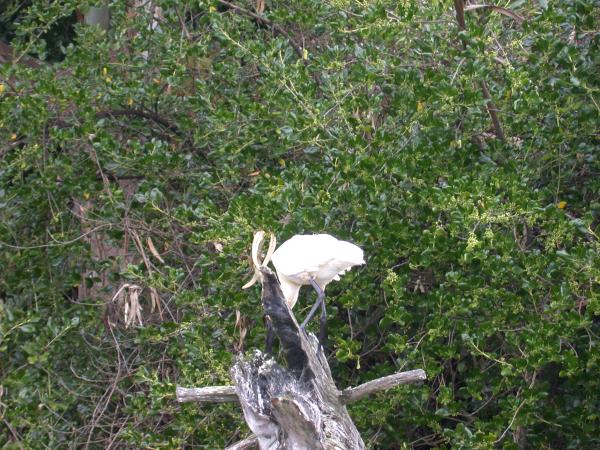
<point x="352" y="254"/>
<point x="259" y="237"/>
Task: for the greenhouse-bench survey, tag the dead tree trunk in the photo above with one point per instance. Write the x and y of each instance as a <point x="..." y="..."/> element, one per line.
<point x="297" y="407"/>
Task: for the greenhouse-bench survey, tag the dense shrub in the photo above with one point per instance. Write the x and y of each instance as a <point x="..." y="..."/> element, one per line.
<point x="364" y="120"/>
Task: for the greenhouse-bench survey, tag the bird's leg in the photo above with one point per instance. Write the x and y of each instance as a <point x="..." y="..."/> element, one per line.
<point x="323" y="325"/>
<point x="320" y="298"/>
<point x="270" y="336"/>
<point x="313" y="310"/>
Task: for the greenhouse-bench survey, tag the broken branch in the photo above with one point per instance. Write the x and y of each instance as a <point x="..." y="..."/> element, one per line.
<point x="212" y="394"/>
<point x="223" y="394"/>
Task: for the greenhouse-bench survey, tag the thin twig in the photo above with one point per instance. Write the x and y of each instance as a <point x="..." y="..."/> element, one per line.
<point x="57" y="244"/>
<point x="116" y="435"/>
<point x="511" y="422"/>
<point x="491" y="108"/>
<point x="492" y="111"/>
<point x="276" y="28"/>
<point x="98" y="413"/>
<point x="105" y="181"/>
<point x="131" y="112"/>
<point x="16" y="436"/>
<point x="507" y="12"/>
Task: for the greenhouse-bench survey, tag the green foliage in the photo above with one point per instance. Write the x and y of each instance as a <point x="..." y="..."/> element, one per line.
<point x="482" y="255"/>
<point x="40" y="28"/>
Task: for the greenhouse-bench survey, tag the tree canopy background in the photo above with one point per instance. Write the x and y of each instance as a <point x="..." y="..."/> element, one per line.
<point x="136" y="163"/>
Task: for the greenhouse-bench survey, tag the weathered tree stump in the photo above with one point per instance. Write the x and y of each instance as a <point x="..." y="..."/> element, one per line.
<point x="299" y="406"/>
<point x="295" y="407"/>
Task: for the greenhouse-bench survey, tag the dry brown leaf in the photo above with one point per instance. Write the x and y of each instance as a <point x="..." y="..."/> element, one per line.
<point x="126" y="314"/>
<point x="243" y="330"/>
<point x="135" y="307"/>
<point x="238" y="318"/>
<point x="154" y="300"/>
<point x="259" y="6"/>
<point x="419" y="286"/>
<point x="128" y="295"/>
<point x="153" y="250"/>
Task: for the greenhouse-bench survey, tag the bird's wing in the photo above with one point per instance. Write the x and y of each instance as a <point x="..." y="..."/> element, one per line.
<point x="316" y="254"/>
<point x="303" y="253"/>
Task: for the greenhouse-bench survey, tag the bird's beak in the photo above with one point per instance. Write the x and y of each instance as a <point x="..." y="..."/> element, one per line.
<point x="256" y="245"/>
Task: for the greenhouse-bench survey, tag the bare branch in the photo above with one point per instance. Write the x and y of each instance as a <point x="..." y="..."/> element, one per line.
<point x="212" y="394"/>
<point x="251" y="442"/>
<point x="352" y="395"/>
<point x="56" y="243"/>
<point x="459" y="6"/>
<point x="492" y="111"/>
<point x="224" y="394"/>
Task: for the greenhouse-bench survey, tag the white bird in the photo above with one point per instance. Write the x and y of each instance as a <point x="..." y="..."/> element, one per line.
<point x="313" y="257"/>
<point x="317" y="260"/>
<point x="309" y="259"/>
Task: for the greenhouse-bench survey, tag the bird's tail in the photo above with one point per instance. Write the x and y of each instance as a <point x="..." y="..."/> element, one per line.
<point x="259" y="237"/>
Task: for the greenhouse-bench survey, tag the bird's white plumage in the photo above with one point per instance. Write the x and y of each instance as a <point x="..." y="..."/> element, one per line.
<point x="319" y="257"/>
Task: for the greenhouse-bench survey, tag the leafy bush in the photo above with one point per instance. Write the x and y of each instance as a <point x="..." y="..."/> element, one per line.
<point x="148" y="155"/>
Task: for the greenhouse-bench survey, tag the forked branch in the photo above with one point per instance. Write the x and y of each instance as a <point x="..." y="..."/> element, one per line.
<point x="224" y="394"/>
